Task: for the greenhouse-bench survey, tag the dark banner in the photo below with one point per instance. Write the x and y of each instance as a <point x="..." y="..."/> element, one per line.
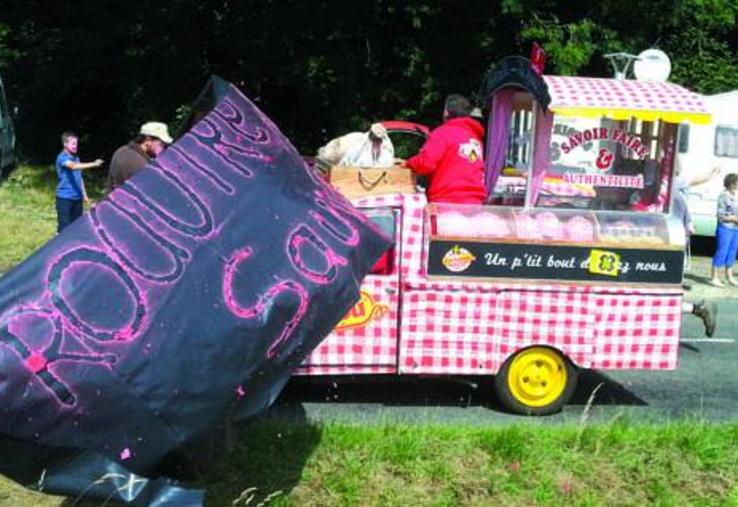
<point x="546" y="262"/>
<point x="189" y="293"/>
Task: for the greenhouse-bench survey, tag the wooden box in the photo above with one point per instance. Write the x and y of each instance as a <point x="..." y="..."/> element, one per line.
<point x="354" y="182"/>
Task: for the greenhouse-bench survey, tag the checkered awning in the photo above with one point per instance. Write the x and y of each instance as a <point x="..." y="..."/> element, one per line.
<point x="622" y="99"/>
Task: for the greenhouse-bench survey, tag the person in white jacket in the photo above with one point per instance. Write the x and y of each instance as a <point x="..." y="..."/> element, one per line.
<point x="360" y="149"/>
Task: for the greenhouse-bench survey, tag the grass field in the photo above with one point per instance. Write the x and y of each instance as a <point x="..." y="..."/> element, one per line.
<point x="532" y="464"/>
<point x="27" y="213"/>
<point x="338" y="465"/>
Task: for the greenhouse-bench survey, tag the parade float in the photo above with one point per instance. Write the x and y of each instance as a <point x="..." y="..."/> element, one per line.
<point x="574" y="262"/>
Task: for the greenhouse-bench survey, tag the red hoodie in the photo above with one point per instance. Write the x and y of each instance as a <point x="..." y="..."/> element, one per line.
<point x="452" y="159"/>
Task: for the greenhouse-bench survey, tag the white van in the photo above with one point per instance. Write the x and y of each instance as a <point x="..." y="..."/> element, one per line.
<point x="703" y="147"/>
<point x="7" y="135"/>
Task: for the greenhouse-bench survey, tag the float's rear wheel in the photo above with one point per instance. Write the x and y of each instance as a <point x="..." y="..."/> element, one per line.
<point x="536" y="381"/>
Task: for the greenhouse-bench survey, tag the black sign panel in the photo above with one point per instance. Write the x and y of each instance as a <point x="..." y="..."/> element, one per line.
<point x="548" y="262"/>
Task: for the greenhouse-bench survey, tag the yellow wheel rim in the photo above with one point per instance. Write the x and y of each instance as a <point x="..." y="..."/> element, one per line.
<point x="537" y="377"/>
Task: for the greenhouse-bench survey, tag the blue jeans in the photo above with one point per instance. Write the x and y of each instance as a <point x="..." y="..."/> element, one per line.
<point x="67" y="211"/>
<point x="727" y="245"/>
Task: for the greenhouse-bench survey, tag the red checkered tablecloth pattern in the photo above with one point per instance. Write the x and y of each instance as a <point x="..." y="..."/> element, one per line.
<point x="474" y="333"/>
<point x="636" y="331"/>
<point x="370" y="348"/>
<point x="447" y="332"/>
<point x="444" y="333"/>
<point x="453" y="326"/>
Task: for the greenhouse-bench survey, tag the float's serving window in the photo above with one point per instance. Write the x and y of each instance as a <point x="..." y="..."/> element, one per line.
<point x="547" y="226"/>
<point x="595" y="164"/>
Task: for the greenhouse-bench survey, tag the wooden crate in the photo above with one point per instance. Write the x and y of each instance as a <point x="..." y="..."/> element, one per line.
<point x="354" y="182"/>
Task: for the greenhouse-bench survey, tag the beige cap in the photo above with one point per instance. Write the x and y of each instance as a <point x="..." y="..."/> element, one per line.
<point x="378" y="130"/>
<point x="156" y="129"/>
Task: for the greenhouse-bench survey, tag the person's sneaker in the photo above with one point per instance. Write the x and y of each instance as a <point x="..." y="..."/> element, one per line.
<point x="708" y="313"/>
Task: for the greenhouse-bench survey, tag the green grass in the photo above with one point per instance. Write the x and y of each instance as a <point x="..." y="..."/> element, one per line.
<point x="27" y="213"/>
<point x="338" y="465"/>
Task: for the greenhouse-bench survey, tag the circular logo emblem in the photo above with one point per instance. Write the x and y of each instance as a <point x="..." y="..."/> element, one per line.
<point x="458" y="259"/>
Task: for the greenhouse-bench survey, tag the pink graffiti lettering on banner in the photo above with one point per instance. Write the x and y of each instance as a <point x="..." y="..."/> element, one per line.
<point x="264" y="302"/>
<point x="214" y="131"/>
<point x="91" y="259"/>
<point x="201" y="230"/>
<point x="126" y="225"/>
<point x="304" y="235"/>
<point x="142" y="232"/>
<point x="340" y="228"/>
<point x="228" y="112"/>
<point x="36" y="336"/>
<point x="207" y="135"/>
<point x="184" y="160"/>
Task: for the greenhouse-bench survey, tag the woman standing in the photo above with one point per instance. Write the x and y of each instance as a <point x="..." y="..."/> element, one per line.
<point x="726" y="235"/>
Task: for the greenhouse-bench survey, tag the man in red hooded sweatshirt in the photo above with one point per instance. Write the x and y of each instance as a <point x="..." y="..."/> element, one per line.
<point x="451" y="158"/>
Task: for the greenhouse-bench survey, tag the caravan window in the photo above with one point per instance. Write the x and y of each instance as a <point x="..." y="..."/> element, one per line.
<point x="726" y="142"/>
<point x="684" y="138"/>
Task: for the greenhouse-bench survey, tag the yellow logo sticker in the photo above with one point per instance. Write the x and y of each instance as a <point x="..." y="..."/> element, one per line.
<point x="602" y="262"/>
<point x="458" y="259"/>
<point x="363" y="312"/>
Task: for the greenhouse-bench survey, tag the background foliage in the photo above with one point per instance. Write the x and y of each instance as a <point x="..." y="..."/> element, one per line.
<point x="319" y="68"/>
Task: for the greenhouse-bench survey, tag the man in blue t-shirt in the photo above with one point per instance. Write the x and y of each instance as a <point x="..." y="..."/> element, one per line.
<point x="70" y="190"/>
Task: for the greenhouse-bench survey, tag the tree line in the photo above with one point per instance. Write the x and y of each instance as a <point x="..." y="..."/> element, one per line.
<point x="319" y="68"/>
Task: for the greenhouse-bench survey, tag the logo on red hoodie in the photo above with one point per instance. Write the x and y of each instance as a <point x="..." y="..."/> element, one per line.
<point x="471" y="150"/>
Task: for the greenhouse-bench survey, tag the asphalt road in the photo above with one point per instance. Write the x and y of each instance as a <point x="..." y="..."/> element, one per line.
<point x="704" y="387"/>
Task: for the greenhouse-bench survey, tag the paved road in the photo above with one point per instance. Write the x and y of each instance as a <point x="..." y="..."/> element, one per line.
<point x="704" y="387"/>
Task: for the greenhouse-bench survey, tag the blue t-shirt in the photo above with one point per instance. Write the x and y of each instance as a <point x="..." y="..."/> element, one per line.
<point x="70" y="181"/>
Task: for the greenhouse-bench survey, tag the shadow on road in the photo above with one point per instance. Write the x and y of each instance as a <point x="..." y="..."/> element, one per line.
<point x="607" y="391"/>
<point x="435" y="392"/>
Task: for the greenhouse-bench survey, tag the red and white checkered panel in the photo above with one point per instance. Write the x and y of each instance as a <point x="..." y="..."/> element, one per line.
<point x="448" y="333"/>
<point x="636" y="331"/>
<point x="455" y="326"/>
<point x="558" y="319"/>
<point x="589" y="92"/>
<point x="475" y="332"/>
<point x="370" y="348"/>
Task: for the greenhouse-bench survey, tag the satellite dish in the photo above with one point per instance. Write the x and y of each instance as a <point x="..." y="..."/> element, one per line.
<point x="652" y="65"/>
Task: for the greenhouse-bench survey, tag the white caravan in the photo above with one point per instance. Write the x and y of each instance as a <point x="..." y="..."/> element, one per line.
<point x="704" y="147"/>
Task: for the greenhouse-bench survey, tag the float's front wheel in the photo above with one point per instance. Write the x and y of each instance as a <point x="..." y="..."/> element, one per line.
<point x="536" y="381"/>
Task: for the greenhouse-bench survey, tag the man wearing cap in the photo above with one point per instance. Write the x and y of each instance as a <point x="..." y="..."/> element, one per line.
<point x="132" y="157"/>
<point x="452" y="156"/>
<point x="360" y="149"/>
